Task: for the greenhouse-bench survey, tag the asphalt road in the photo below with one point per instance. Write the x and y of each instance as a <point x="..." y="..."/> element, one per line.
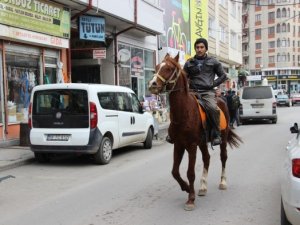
<point x="137" y="187"/>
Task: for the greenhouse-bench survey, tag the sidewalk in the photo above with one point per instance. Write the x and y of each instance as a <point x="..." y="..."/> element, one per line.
<point x="14" y="156"/>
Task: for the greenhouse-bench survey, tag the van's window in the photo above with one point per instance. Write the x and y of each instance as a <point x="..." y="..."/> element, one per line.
<point x="108" y="100"/>
<point x="115" y="101"/>
<point x="63" y="108"/>
<point x="135" y="103"/>
<point x="257" y="93"/>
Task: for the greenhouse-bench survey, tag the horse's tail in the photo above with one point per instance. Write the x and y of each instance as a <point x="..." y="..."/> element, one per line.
<point x="233" y="139"/>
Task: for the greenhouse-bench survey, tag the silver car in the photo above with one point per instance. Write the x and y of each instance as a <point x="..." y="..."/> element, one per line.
<point x="290" y="181"/>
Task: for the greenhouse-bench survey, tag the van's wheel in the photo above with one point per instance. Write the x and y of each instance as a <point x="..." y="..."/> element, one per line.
<point x="274" y="121"/>
<point x="149" y="138"/>
<point x="284" y="220"/>
<point x="104" y="153"/>
<point x="41" y="157"/>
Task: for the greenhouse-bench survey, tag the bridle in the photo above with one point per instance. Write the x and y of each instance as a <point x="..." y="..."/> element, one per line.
<point x="170" y="80"/>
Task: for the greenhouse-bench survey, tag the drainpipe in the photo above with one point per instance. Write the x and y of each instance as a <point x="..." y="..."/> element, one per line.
<point x="116" y="41"/>
<point x="89" y="7"/>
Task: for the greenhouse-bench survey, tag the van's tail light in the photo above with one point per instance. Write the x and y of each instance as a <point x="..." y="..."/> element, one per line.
<point x="296" y="167"/>
<point x="241" y="109"/>
<point x="29" y="116"/>
<point x="274" y="106"/>
<point x="93" y="115"/>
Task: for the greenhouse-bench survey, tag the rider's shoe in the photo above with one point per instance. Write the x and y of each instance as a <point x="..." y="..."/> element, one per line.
<point x="168" y="139"/>
<point x="217" y="140"/>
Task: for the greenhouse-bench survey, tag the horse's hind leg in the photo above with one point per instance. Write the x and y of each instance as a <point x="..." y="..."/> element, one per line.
<point x="223" y="155"/>
<point x="206" y="160"/>
<point x="178" y="154"/>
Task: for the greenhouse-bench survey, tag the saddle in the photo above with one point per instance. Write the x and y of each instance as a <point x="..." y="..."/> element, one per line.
<point x="203" y="117"/>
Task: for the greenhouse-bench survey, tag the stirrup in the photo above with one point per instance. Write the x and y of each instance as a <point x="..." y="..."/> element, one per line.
<point x="216" y="141"/>
<point x="168" y="139"/>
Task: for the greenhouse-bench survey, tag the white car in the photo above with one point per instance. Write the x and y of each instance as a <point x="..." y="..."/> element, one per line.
<point x="86" y="119"/>
<point x="290" y="181"/>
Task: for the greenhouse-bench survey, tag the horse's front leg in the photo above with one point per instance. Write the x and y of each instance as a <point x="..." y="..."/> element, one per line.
<point x="223" y="155"/>
<point x="190" y="204"/>
<point x="206" y="161"/>
<point x="178" y="155"/>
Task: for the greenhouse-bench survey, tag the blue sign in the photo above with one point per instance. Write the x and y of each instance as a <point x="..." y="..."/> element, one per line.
<point x="91" y="28"/>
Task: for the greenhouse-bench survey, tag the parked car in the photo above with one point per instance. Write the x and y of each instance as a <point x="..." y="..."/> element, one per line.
<point x="86" y="119"/>
<point x="283" y="100"/>
<point x="290" y="181"/>
<point x="295" y="98"/>
<point x="257" y="103"/>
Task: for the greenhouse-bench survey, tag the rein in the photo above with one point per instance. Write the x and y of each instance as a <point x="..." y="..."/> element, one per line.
<point x="170" y="80"/>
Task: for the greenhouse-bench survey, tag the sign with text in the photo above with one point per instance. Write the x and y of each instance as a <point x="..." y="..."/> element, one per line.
<point x="92" y="28"/>
<point x="99" y="54"/>
<point x="40" y="16"/>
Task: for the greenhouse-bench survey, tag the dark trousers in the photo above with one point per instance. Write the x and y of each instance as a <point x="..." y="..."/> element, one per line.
<point x="209" y="102"/>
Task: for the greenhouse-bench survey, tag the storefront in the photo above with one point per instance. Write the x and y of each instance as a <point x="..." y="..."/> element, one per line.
<point x="33" y="50"/>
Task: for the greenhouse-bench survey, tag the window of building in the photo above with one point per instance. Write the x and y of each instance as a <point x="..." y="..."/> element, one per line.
<point x="257" y="17"/>
<point x="283" y="43"/>
<point x="271" y="44"/>
<point x="222" y="34"/>
<point x="257" y="46"/>
<point x="258" y="60"/>
<point x="283" y="13"/>
<point x="271" y="59"/>
<point x="278" y="57"/>
<point x="283" y="28"/>
<point x="233" y="40"/>
<point x="271" y="30"/>
<point x="233" y="11"/>
<point x="257" y="2"/>
<point x="271" y="15"/>
<point x="278" y="42"/>
<point x="278" y="28"/>
<point x="278" y="13"/>
<point x="257" y="32"/>
<point x="211" y="27"/>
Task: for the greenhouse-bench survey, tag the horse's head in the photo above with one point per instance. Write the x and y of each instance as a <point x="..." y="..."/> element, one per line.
<point x="166" y="75"/>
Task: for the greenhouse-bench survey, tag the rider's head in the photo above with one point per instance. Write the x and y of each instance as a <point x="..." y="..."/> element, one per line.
<point x="201" y="46"/>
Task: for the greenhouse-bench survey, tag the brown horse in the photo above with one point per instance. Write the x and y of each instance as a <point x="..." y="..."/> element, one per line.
<point x="186" y="128"/>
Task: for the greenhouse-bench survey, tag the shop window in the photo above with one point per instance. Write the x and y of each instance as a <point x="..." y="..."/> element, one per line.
<point x="22" y="76"/>
<point x="50" y="75"/>
<point x="124" y="76"/>
<point x="1" y="90"/>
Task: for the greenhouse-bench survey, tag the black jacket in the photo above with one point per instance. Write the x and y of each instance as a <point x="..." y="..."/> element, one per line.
<point x="203" y="77"/>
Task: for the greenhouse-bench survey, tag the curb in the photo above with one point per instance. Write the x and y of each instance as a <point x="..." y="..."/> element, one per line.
<point x="16" y="164"/>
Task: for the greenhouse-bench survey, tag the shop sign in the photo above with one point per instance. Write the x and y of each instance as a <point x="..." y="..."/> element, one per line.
<point x="254" y="78"/>
<point x="32" y="37"/>
<point x="99" y="54"/>
<point x="38" y="15"/>
<point x="92" y="28"/>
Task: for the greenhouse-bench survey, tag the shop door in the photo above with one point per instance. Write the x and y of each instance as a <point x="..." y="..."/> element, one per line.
<point x="86" y="74"/>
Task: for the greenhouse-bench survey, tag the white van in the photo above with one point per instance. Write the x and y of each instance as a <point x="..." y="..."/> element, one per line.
<point x="86" y="119"/>
<point x="257" y="103"/>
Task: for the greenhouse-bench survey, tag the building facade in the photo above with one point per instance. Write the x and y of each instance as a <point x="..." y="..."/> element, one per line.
<point x="110" y="42"/>
<point x="271" y="31"/>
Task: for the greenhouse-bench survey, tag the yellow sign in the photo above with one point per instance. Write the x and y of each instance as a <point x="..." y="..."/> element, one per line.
<point x="199" y="21"/>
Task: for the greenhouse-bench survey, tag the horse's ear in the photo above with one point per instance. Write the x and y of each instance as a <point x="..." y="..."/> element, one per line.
<point x="177" y="57"/>
<point x="167" y="55"/>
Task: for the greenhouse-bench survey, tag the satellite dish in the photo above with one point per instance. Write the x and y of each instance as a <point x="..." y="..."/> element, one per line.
<point x="123" y="55"/>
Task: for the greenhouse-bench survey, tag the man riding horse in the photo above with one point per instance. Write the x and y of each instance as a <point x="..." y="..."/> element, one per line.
<point x="201" y="71"/>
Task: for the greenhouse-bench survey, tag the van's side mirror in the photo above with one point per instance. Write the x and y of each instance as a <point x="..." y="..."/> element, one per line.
<point x="294" y="129"/>
<point x="141" y="109"/>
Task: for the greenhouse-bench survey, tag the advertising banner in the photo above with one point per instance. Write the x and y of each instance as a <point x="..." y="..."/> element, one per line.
<point x="199" y="20"/>
<point x="92" y="28"/>
<point x="40" y="16"/>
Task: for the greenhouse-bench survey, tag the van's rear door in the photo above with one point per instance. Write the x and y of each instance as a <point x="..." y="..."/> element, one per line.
<point x="257" y="101"/>
<point x="60" y="117"/>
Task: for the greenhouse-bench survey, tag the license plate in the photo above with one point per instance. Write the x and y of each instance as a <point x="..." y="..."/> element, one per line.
<point x="257" y="105"/>
<point x="58" y="137"/>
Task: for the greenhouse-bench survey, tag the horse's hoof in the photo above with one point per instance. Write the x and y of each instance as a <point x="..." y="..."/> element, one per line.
<point x="202" y="192"/>
<point x="189" y="207"/>
<point x="223" y="187"/>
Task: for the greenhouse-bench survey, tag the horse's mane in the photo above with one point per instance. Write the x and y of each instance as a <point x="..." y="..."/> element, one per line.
<point x="182" y="73"/>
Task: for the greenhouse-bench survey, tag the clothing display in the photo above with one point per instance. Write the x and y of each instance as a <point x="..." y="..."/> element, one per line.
<point x="21" y="80"/>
